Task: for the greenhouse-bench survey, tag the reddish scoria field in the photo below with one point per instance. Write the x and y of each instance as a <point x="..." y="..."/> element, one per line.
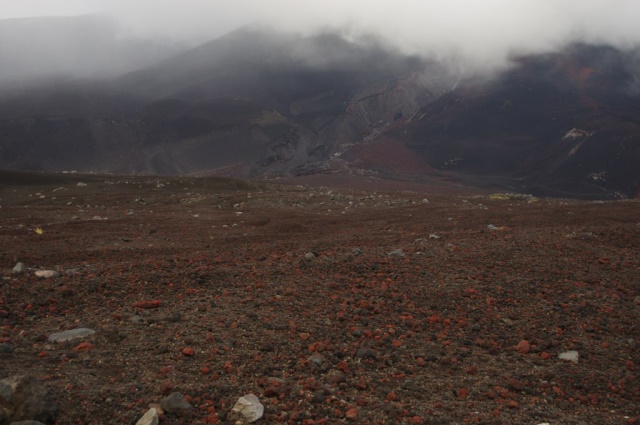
<point x="290" y="293"/>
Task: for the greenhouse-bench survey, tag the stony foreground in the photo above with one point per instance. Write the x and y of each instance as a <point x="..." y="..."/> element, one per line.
<point x="329" y="306"/>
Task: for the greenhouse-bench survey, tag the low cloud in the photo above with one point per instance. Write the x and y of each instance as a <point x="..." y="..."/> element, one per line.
<point x="482" y="32"/>
<point x="478" y="33"/>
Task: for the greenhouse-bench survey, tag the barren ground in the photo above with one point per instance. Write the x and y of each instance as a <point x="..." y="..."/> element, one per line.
<point x="352" y="335"/>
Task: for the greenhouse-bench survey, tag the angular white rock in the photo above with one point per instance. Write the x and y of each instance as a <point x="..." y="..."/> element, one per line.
<point x="149" y="418"/>
<point x="571" y="356"/>
<point x="396" y="253"/>
<point x="71" y="334"/>
<point x="18" y="268"/>
<point x="47" y="274"/>
<point x="249" y="407"/>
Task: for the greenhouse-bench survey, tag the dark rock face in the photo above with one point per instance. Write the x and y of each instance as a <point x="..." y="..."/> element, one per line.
<point x="557" y="124"/>
<point x="25" y="398"/>
<point x="247" y="104"/>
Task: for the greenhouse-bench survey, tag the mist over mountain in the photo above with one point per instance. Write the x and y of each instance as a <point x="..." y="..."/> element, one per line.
<point x="71" y="47"/>
<point x="261" y="103"/>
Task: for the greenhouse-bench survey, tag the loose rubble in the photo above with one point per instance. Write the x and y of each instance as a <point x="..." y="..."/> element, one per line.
<point x="468" y="328"/>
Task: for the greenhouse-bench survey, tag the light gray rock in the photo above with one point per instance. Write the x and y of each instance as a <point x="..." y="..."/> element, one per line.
<point x="434" y="236"/>
<point x="571" y="356"/>
<point x="71" y="335"/>
<point x="24" y="398"/>
<point x="82" y="184"/>
<point x="397" y="253"/>
<point x="47" y="274"/>
<point x="317" y="359"/>
<point x="492" y="227"/>
<point x="247" y="409"/>
<point x="149" y="418"/>
<point x="175" y="402"/>
<point x="309" y="255"/>
<point x="18" y="268"/>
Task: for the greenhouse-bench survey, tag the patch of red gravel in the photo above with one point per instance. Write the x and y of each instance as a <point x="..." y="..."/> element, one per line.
<point x="208" y="292"/>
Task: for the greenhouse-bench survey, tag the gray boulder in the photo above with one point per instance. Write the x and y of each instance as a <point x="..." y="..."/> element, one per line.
<point x="175" y="402"/>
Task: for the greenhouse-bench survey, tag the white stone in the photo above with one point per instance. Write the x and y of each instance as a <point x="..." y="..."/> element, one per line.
<point x="47" y="274"/>
<point x="71" y="334"/>
<point x="309" y="255"/>
<point x="434" y="236"/>
<point x="249" y="407"/>
<point x="571" y="356"/>
<point x="18" y="268"/>
<point x="149" y="418"/>
<point x="81" y="184"/>
<point x="396" y="253"/>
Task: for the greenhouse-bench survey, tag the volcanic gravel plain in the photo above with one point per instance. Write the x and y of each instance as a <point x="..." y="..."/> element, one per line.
<point x="330" y="305"/>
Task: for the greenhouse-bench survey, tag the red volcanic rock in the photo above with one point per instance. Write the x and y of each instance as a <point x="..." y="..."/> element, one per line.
<point x="358" y="338"/>
<point x="523" y="347"/>
<point x="83" y="346"/>
<point x="166" y="388"/>
<point x="352" y="414"/>
<point x="148" y="304"/>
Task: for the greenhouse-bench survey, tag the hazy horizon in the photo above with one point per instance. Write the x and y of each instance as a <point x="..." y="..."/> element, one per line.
<point x="479" y="34"/>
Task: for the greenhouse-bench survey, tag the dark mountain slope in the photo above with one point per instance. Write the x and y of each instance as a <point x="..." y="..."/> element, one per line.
<point x="249" y="103"/>
<point x="258" y="103"/>
<point x="563" y="124"/>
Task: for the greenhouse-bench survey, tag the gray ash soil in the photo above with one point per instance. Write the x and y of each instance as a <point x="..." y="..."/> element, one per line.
<point x="352" y="335"/>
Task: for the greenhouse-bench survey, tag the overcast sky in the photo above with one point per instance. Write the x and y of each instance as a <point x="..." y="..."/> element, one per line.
<point x="482" y="30"/>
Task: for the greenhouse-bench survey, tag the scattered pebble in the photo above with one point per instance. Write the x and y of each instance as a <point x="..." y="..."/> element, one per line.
<point x="366" y="353"/>
<point x="175" y="402"/>
<point x="47" y="274"/>
<point x="309" y="256"/>
<point x="397" y="253"/>
<point x="71" y="334"/>
<point x="18" y="268"/>
<point x="523" y="347"/>
<point x="247" y="409"/>
<point x="571" y="356"/>
<point x="149" y="418"/>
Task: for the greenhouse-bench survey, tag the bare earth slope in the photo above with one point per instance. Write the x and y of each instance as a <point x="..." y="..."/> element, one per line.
<point x="348" y="335"/>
